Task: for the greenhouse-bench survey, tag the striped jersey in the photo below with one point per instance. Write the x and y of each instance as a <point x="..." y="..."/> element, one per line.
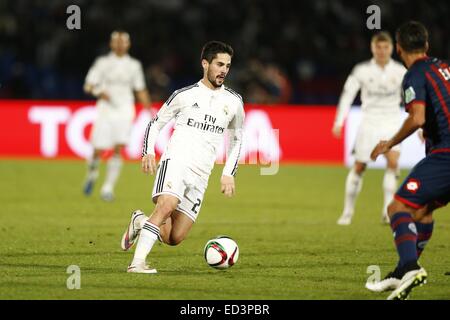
<point x="202" y="116"/>
<point x="427" y="82"/>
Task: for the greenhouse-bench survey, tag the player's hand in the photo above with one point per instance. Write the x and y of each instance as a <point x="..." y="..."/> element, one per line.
<point x="337" y="131"/>
<point x="149" y="164"/>
<point x="227" y="183"/>
<point x="381" y="147"/>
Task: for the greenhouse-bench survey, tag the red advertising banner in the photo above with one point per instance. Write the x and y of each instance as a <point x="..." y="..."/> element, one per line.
<point x="61" y="129"/>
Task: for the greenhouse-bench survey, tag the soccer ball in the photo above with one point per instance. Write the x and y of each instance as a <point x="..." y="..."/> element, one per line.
<point x="221" y="252"/>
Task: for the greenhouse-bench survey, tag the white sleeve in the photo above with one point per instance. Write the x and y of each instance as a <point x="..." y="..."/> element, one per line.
<point x="138" y="79"/>
<point x="351" y="88"/>
<point x="168" y="111"/>
<point x="94" y="75"/>
<point x="235" y="133"/>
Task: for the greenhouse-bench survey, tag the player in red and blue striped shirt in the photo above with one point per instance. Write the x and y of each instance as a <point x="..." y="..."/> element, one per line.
<point x="426" y="93"/>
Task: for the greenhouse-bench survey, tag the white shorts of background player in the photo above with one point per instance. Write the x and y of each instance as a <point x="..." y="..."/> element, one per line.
<point x="370" y="132"/>
<point x="108" y="132"/>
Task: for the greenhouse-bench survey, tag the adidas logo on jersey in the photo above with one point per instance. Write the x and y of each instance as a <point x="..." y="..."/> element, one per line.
<point x="195" y="105"/>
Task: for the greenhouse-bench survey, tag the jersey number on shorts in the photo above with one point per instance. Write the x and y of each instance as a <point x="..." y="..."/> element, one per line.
<point x="197" y="204"/>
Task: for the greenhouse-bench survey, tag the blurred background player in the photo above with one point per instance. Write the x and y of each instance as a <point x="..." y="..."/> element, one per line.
<point x="379" y="80"/>
<point x="202" y="111"/>
<point x="426" y="91"/>
<point x="112" y="80"/>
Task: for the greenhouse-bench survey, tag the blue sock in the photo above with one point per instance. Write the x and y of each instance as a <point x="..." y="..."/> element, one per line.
<point x="405" y="235"/>
<point x="424" y="232"/>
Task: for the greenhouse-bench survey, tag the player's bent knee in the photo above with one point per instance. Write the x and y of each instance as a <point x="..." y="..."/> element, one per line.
<point x="425" y="218"/>
<point x="166" y="206"/>
<point x="176" y="236"/>
<point x="173" y="243"/>
<point x="164" y="210"/>
<point x="175" y="240"/>
<point x="424" y="214"/>
<point x="393" y="165"/>
<point x="117" y="149"/>
<point x="360" y="168"/>
<point x="396" y="206"/>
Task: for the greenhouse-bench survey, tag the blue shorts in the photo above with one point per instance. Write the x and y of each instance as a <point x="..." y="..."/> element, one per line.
<point x="427" y="183"/>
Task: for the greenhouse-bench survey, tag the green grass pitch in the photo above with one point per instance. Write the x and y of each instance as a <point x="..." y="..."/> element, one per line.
<point x="285" y="225"/>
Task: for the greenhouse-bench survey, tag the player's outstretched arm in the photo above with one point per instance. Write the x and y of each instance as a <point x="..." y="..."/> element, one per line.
<point x="235" y="133"/>
<point x="142" y="94"/>
<point x="165" y="114"/>
<point x="415" y="120"/>
<point x="351" y="88"/>
<point x="231" y="165"/>
<point x="144" y="98"/>
<point x="148" y="162"/>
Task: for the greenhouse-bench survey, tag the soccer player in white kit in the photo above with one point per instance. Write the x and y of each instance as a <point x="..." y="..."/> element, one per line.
<point x="379" y="80"/>
<point x="113" y="79"/>
<point x="202" y="113"/>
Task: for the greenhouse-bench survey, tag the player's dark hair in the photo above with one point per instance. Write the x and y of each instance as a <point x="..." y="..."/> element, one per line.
<point x="412" y="36"/>
<point x="212" y="48"/>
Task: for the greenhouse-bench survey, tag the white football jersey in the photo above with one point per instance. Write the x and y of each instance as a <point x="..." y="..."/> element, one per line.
<point x="380" y="90"/>
<point x="202" y="116"/>
<point x="118" y="77"/>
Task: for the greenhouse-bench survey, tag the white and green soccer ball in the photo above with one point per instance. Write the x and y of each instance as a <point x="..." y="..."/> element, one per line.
<point x="221" y="252"/>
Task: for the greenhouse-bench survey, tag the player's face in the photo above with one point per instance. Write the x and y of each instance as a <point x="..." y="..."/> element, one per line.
<point x="382" y="51"/>
<point x="217" y="70"/>
<point x="120" y="43"/>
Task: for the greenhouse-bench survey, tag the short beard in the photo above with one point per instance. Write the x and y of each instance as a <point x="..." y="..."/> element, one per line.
<point x="213" y="82"/>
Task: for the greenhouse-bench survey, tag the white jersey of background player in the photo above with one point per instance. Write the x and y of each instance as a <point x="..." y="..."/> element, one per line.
<point x="113" y="79"/>
<point x="379" y="80"/>
<point x="202" y="113"/>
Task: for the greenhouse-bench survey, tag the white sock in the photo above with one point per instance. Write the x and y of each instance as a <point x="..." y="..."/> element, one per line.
<point x="149" y="235"/>
<point x="389" y="187"/>
<point x="92" y="168"/>
<point x="353" y="185"/>
<point x="112" y="173"/>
